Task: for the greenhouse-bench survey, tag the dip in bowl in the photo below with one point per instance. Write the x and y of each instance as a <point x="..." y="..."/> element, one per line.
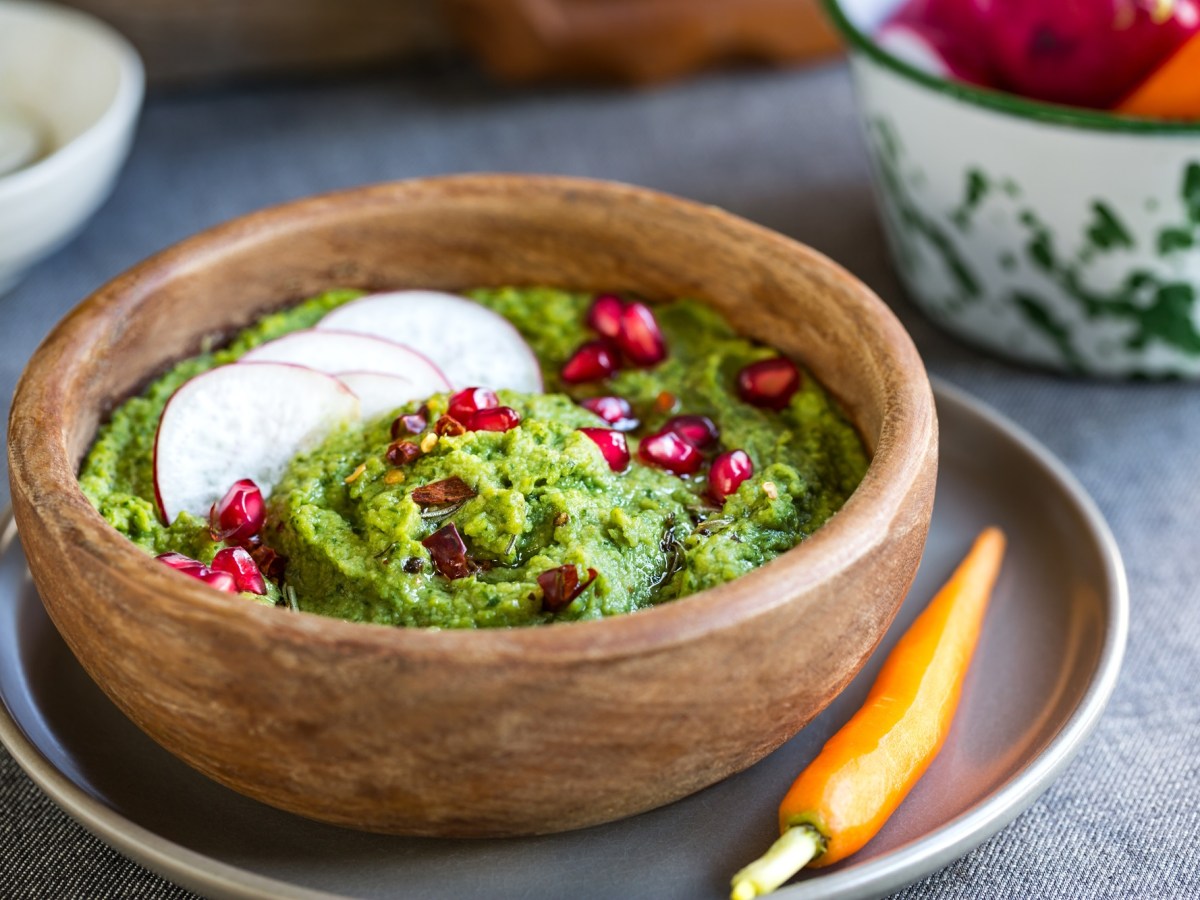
<point x="488" y="731"/>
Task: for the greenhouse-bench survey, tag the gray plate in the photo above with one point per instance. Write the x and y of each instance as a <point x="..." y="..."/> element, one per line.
<point x="1045" y="667"/>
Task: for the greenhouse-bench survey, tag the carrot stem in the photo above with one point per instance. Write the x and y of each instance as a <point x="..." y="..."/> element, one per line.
<point x="787" y="856"/>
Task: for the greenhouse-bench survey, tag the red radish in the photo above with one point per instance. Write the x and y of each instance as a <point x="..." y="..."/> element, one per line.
<point x="669" y="451"/>
<point x="500" y="418"/>
<point x="379" y="394"/>
<point x="237" y="562"/>
<point x="413" y="423"/>
<point x="1084" y="52"/>
<point x="239" y="515"/>
<point x="616" y="411"/>
<point x="468" y="342"/>
<point x="728" y="471"/>
<point x="182" y="563"/>
<point x="699" y="431"/>
<point x="594" y="361"/>
<point x="612" y="446"/>
<point x="562" y="585"/>
<point x="471" y="400"/>
<point x="640" y="338"/>
<point x="222" y="581"/>
<point x="339" y="352"/>
<point x="934" y="51"/>
<point x="604" y="317"/>
<point x="448" y="551"/>
<point x="769" y="383"/>
<point x="241" y="421"/>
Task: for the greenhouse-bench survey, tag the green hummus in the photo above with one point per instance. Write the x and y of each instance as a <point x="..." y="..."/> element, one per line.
<point x="545" y="497"/>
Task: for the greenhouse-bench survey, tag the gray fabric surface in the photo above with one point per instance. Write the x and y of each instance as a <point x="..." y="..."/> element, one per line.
<point x="779" y="148"/>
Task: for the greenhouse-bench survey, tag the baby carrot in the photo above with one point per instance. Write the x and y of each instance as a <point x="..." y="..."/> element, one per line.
<point x="1173" y="91"/>
<point x="865" y="770"/>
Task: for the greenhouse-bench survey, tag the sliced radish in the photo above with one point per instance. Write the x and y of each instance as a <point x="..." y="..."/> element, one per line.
<point x="241" y="421"/>
<point x="335" y="352"/>
<point x="471" y="344"/>
<point x="379" y="393"/>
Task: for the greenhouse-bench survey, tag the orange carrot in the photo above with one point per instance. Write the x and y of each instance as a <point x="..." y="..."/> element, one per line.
<point x="865" y="770"/>
<point x="1173" y="90"/>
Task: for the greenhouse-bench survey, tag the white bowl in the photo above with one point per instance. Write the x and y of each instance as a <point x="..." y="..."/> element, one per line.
<point x="82" y="83"/>
<point x="1065" y="238"/>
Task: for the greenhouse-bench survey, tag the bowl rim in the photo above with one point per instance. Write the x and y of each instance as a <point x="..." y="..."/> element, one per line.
<point x="1000" y="101"/>
<point x="120" y="113"/>
<point x="906" y="451"/>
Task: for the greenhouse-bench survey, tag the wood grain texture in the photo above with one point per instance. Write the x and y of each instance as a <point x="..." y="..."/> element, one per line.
<point x="490" y="732"/>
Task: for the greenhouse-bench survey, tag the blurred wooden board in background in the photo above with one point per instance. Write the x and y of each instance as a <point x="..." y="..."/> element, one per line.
<point x="634" y="41"/>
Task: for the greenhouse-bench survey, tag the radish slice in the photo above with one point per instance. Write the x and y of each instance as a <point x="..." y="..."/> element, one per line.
<point x="378" y="393"/>
<point x="472" y="345"/>
<point x="241" y="421"/>
<point x="335" y="352"/>
<point x="933" y="51"/>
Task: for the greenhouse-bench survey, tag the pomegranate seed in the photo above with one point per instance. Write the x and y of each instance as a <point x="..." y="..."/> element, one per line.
<point x="239" y="515"/>
<point x="562" y="585"/>
<point x="769" y="383"/>
<point x="640" y="337"/>
<point x="182" y="563"/>
<point x="616" y="411"/>
<point x="237" y="562"/>
<point x="470" y="400"/>
<point x="728" y="471"/>
<point x="222" y="581"/>
<point x="501" y="418"/>
<point x="411" y="424"/>
<point x="592" y="362"/>
<point x="448" y="551"/>
<point x="612" y="446"/>
<point x="605" y="315"/>
<point x="669" y="451"/>
<point x="699" y="431"/>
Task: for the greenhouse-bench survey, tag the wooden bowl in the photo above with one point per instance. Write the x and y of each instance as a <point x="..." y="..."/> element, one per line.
<point x="475" y="733"/>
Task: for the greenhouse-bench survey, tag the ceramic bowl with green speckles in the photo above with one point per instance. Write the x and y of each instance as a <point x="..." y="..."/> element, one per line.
<point x="1064" y="238"/>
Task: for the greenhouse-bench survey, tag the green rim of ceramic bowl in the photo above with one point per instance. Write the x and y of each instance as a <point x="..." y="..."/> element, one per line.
<point x="1046" y="113"/>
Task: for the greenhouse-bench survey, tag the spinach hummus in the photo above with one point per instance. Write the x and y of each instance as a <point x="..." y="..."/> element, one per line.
<point x="560" y="512"/>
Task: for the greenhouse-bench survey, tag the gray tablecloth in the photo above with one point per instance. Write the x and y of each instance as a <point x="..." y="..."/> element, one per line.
<point x="779" y="148"/>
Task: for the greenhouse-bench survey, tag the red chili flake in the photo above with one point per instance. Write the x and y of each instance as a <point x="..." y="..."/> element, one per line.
<point x="448" y="426"/>
<point x="269" y="562"/>
<point x="665" y="401"/>
<point x="413" y="423"/>
<point x="401" y="453"/>
<point x="448" y="551"/>
<point x="562" y="585"/>
<point x="448" y="490"/>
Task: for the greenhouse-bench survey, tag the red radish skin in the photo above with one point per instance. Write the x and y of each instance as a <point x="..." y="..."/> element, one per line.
<point x="604" y="316"/>
<point x="239" y="564"/>
<point x="501" y="418"/>
<point x="481" y="347"/>
<point x="239" y="515"/>
<point x="728" y="472"/>
<point x="616" y="411"/>
<point x="594" y="361"/>
<point x="470" y="400"/>
<point x="669" y="451"/>
<point x="640" y="338"/>
<point x="699" y="431"/>
<point x="612" y="444"/>
<point x="769" y="383"/>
